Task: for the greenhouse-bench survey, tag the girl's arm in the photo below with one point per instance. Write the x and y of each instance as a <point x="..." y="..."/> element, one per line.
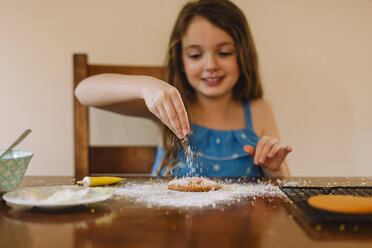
<point x="270" y="153"/>
<point x="141" y="96"/>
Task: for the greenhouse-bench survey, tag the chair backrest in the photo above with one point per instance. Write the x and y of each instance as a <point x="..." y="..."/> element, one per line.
<point x="90" y="160"/>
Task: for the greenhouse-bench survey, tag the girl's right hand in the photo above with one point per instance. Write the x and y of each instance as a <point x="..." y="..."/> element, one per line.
<point x="165" y="102"/>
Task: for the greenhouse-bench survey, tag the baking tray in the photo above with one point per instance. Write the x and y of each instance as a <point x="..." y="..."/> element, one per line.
<point x="299" y="196"/>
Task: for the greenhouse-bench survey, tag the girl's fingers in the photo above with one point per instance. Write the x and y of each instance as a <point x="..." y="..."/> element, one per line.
<point x="258" y="149"/>
<point x="269" y="152"/>
<point x="155" y="111"/>
<point x="167" y="105"/>
<point x="182" y="115"/>
<point x="249" y="149"/>
<point x="284" y="151"/>
<point x="289" y="149"/>
<point x="279" y="157"/>
<point x="274" y="149"/>
<point x="260" y="157"/>
<point x="164" y="117"/>
<point x="173" y="117"/>
<point x="266" y="149"/>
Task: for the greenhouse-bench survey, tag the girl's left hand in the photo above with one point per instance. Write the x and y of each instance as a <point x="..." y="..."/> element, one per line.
<point x="269" y="152"/>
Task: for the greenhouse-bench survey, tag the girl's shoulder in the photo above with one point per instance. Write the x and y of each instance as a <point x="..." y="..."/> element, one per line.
<point x="262" y="116"/>
<point x="260" y="105"/>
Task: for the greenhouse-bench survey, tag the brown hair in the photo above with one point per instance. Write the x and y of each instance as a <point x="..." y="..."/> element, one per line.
<point x="228" y="17"/>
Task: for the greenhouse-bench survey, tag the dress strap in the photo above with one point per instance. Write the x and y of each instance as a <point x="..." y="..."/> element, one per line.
<point x="247" y="112"/>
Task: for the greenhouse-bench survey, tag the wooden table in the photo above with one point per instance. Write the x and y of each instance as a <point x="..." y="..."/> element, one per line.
<point x="259" y="222"/>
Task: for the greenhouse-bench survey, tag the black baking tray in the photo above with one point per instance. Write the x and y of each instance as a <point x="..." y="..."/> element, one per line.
<point x="299" y="196"/>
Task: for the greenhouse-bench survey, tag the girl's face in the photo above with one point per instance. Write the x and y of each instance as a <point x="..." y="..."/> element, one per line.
<point x="209" y="59"/>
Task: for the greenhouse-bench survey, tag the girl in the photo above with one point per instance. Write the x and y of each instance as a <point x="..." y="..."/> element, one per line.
<point x="213" y="82"/>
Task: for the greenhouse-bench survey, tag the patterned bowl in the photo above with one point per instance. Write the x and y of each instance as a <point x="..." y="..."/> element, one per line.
<point x="12" y="168"/>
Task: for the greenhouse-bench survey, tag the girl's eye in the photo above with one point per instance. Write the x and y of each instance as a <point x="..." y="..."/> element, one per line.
<point x="194" y="56"/>
<point x="225" y="54"/>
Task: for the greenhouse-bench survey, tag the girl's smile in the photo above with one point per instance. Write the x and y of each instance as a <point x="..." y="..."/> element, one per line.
<point x="211" y="81"/>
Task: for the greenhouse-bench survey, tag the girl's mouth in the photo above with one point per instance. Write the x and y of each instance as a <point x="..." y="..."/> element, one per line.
<point x="210" y="81"/>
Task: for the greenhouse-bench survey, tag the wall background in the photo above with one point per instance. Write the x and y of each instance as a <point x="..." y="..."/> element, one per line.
<point x="315" y="59"/>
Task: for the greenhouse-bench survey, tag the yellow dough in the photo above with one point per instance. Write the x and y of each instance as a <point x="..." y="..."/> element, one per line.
<point x="346" y="204"/>
<point x="193" y="184"/>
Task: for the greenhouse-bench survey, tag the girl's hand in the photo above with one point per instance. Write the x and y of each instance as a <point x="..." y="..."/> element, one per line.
<point x="269" y="152"/>
<point x="165" y="102"/>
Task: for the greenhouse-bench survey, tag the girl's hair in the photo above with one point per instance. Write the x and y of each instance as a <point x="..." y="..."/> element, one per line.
<point x="228" y="17"/>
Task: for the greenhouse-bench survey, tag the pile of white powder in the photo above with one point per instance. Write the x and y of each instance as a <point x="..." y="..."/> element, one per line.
<point x="156" y="193"/>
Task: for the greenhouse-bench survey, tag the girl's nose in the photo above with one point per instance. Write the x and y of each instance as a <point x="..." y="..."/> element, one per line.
<point x="210" y="63"/>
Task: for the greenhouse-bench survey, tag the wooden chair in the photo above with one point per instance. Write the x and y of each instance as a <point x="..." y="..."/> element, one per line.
<point x="91" y="160"/>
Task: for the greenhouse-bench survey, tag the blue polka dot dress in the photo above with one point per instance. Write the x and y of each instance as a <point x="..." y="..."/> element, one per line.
<point x="217" y="152"/>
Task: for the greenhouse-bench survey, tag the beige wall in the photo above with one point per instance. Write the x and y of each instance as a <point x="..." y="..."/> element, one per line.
<point x="315" y="61"/>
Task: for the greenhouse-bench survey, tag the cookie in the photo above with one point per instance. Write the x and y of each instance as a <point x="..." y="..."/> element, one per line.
<point x="346" y="204"/>
<point x="193" y="184"/>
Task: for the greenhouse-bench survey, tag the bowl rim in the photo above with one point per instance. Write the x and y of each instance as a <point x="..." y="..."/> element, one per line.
<point x="27" y="154"/>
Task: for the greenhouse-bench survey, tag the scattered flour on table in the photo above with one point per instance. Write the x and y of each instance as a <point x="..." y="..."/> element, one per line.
<point x="157" y="193"/>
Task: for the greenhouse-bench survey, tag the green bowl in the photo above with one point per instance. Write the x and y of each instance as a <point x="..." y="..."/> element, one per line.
<point x="12" y="168"/>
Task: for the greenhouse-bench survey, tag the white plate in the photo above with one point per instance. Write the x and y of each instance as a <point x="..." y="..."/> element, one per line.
<point x="55" y="197"/>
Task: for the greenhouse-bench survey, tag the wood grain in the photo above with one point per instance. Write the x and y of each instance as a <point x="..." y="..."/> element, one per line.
<point x="257" y="222"/>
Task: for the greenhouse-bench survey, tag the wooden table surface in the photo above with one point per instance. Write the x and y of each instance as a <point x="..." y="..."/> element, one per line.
<point x="251" y="222"/>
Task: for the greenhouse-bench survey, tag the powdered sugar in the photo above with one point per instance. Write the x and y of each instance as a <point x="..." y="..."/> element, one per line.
<point x="156" y="193"/>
